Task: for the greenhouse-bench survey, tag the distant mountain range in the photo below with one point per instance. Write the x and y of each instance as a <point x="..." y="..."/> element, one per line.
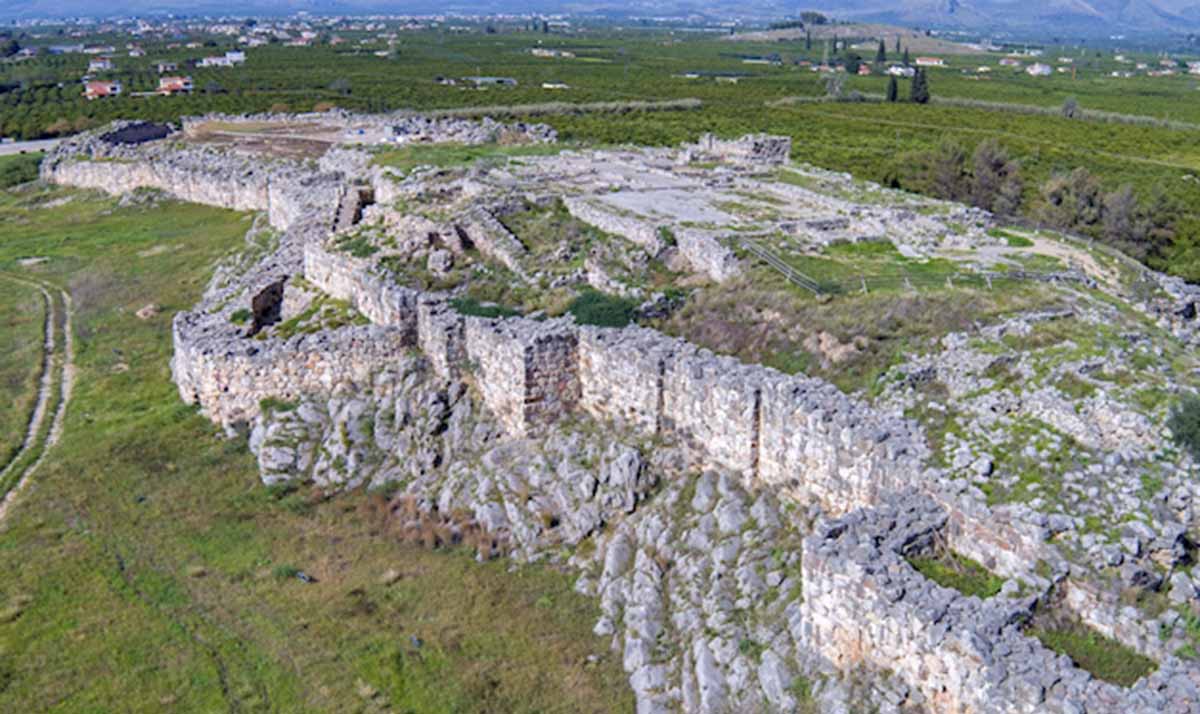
<point x="1068" y="17"/>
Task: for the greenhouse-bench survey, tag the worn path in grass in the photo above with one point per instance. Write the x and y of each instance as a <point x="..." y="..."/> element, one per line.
<point x="54" y="393"/>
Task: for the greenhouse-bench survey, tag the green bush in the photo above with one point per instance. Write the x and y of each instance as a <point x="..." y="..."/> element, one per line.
<point x="595" y="308"/>
<point x="18" y="169"/>
<point x="241" y="316"/>
<point x="472" y="307"/>
<point x="1184" y="424"/>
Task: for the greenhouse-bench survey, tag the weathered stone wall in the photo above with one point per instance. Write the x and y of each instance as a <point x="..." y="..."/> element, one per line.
<point x="800" y="435"/>
<point x="441" y="335"/>
<point x="621" y="374"/>
<point x="819" y="445"/>
<point x="230" y="378"/>
<point x="376" y="296"/>
<point x="527" y="371"/>
<point x="637" y="231"/>
<point x="286" y="191"/>
<point x="863" y="604"/>
<point x="759" y="149"/>
<point x="711" y="404"/>
<point x="493" y="239"/>
<point x="707" y="255"/>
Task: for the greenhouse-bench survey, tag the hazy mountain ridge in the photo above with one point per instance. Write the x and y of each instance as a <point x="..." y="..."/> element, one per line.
<point x="1066" y="16"/>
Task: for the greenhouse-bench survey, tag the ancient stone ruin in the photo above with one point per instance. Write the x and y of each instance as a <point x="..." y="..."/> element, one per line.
<point x="777" y="547"/>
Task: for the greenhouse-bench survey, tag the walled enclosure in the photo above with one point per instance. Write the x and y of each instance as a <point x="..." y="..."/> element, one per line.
<point x="863" y="604"/>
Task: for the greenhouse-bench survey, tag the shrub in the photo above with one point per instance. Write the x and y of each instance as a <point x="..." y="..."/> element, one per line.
<point x="241" y="316"/>
<point x="19" y="169"/>
<point x="474" y="308"/>
<point x="595" y="308"/>
<point x="1184" y="424"/>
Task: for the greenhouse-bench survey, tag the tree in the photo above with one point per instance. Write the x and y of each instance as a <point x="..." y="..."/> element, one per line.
<point x="853" y="61"/>
<point x="835" y="85"/>
<point x="897" y="43"/>
<point x="995" y="179"/>
<point x="919" y="89"/>
<point x="9" y="47"/>
<point x="808" y="39"/>
<point x="1071" y="201"/>
<point x="905" y="60"/>
<point x="881" y="53"/>
<point x="947" y="170"/>
<point x="893" y="89"/>
<point x="811" y="17"/>
<point x="1122" y="226"/>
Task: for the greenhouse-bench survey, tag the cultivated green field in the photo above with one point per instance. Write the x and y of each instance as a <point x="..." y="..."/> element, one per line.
<point x="872" y="139"/>
<point x="147" y="569"/>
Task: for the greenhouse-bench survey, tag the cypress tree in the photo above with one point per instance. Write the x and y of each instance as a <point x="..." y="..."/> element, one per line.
<point x="881" y="53"/>
<point x="905" y="57"/>
<point x="919" y="91"/>
<point x="808" y="39"/>
<point x="897" y="43"/>
<point x="893" y="90"/>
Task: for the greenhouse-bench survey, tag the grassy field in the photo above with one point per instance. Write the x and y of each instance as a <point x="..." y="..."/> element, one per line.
<point x="22" y="322"/>
<point x="147" y="570"/>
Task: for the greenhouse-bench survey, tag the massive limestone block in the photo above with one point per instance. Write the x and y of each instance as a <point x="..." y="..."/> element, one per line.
<point x="818" y="444"/>
<point x="621" y="375"/>
<point x="526" y="370"/>
<point x="711" y="404"/>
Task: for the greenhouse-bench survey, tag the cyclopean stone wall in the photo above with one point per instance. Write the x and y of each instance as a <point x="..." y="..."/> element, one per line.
<point x="376" y="296"/>
<point x="526" y="370"/>
<point x="285" y="190"/>
<point x="863" y="604"/>
<point x="797" y="434"/>
<point x="231" y="377"/>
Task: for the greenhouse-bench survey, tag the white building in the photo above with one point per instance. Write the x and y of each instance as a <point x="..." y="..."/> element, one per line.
<point x="1039" y="70"/>
<point x="897" y="70"/>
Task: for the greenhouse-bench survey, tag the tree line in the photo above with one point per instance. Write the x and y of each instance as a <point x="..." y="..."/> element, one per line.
<point x="1076" y="201"/>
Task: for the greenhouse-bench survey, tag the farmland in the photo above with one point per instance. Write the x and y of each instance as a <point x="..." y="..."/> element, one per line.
<point x="872" y="139"/>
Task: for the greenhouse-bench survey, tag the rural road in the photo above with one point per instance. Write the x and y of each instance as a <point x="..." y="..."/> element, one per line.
<point x="23" y="147"/>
